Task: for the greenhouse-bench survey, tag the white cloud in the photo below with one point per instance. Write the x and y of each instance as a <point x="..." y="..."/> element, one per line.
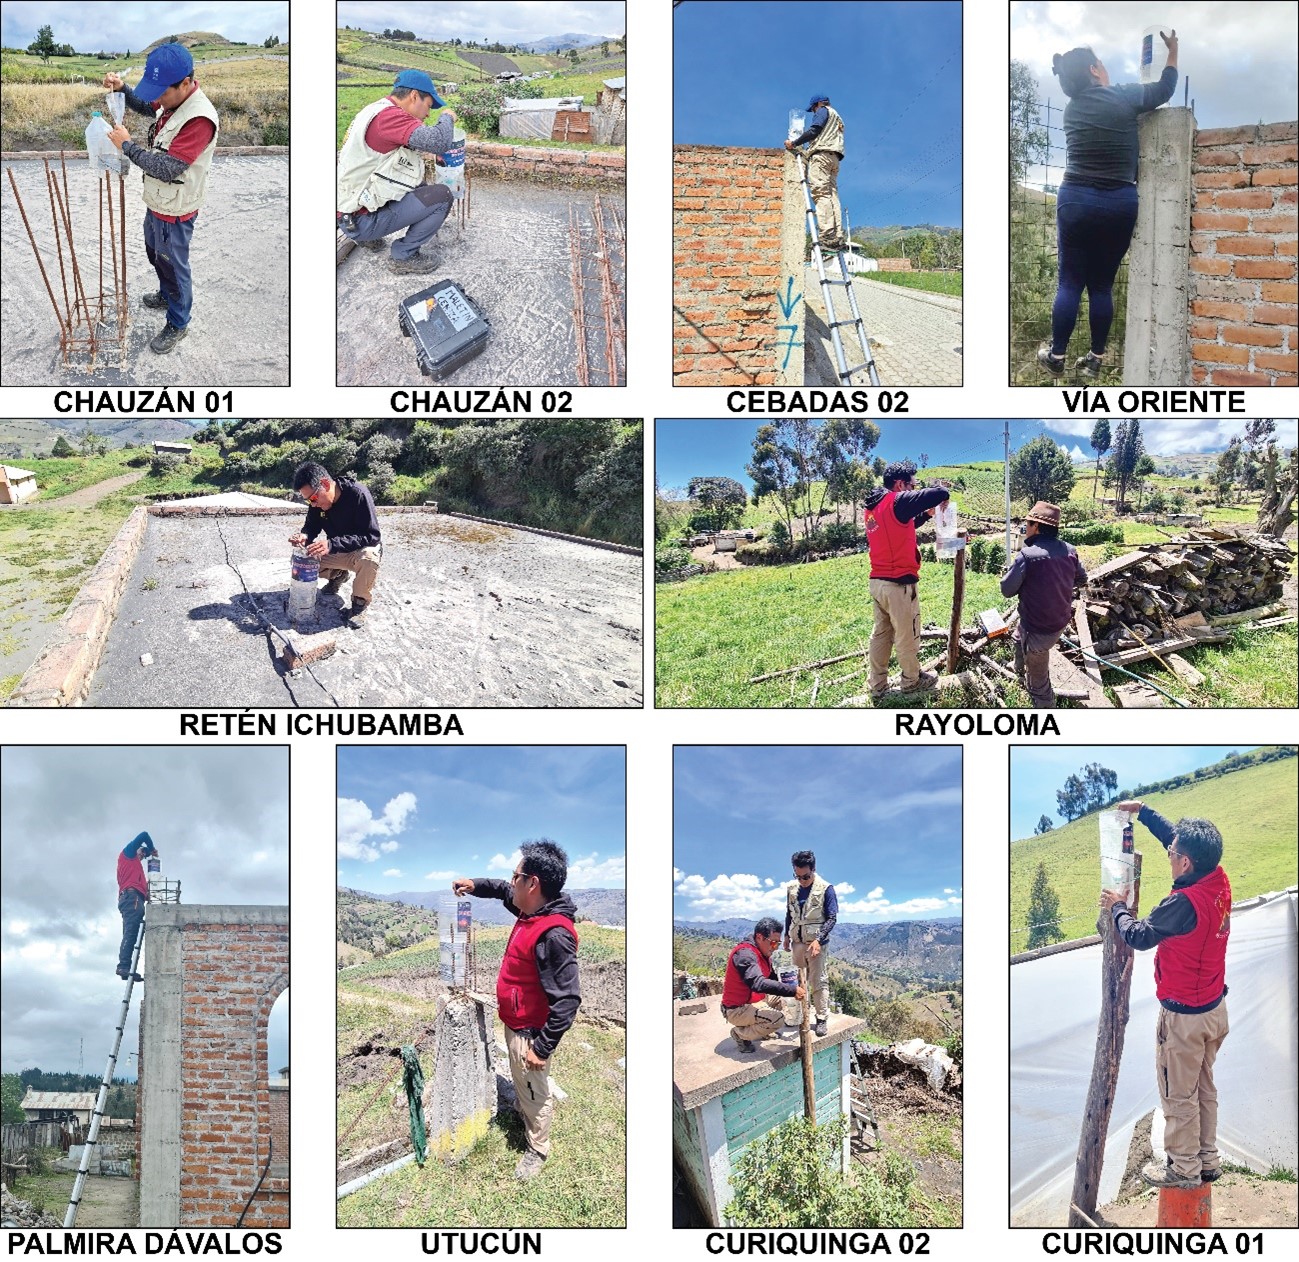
<point x="677" y="874"/>
<point x="876" y="892"/>
<point x="441" y="876"/>
<point x="949" y="891"/>
<point x="767" y="881"/>
<point x="499" y="863"/>
<point x="592" y="872"/>
<point x="392" y="871"/>
<point x="842" y="887"/>
<point x="740" y="894"/>
<point x="356" y="823"/>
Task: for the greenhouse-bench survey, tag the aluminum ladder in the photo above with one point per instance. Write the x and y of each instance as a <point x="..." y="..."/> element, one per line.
<point x="92" y="1137"/>
<point x="827" y="294"/>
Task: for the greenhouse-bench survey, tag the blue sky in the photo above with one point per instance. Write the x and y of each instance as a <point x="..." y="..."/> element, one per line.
<point x="885" y="824"/>
<point x="692" y="448"/>
<point x="1036" y="773"/>
<point x="892" y="71"/>
<point x="134" y="25"/>
<point x="414" y="818"/>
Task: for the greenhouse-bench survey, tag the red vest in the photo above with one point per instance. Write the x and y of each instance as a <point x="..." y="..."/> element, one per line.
<point x="523" y="1004"/>
<point x="735" y="993"/>
<point x="892" y="543"/>
<point x="1191" y="968"/>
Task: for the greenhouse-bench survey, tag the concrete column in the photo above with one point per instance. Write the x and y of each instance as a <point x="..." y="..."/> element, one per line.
<point x="792" y="305"/>
<point x="160" y="1147"/>
<point x="1156" y="345"/>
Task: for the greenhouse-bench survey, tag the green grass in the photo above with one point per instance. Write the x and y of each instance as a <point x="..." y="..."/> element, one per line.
<point x="929" y="1135"/>
<point x="1257" y="811"/>
<point x="931" y="282"/>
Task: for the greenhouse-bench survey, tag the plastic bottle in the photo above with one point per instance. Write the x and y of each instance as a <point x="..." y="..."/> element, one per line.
<point x="792" y="1009"/>
<point x="795" y="125"/>
<point x="305" y="572"/>
<point x="117" y="107"/>
<point x="453" y="173"/>
<point x="1154" y="53"/>
<point x="98" y="146"/>
<point x="455" y="921"/>
<point x="1116" y="867"/>
<point x="945" y="528"/>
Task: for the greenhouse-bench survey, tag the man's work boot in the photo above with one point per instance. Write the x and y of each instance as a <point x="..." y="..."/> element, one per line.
<point x="530" y="1165"/>
<point x="924" y="681"/>
<point x="166" y="341"/>
<point x="820" y="1029"/>
<point x="1211" y="1176"/>
<point x="1161" y="1176"/>
<point x="417" y="263"/>
<point x="375" y="245"/>
<point x="336" y="580"/>
<point x="155" y="301"/>
<point x="129" y="977"/>
<point x="745" y="1045"/>
<point x="357" y="612"/>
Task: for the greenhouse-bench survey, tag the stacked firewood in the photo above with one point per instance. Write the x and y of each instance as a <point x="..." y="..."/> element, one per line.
<point x="1160" y="588"/>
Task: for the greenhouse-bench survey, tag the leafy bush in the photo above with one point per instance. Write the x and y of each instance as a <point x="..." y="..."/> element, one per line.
<point x="928" y="553"/>
<point x="424" y="447"/>
<point x="955" y="1045"/>
<point x="1155" y="502"/>
<point x="276" y="132"/>
<point x="163" y="463"/>
<point x="994" y="560"/>
<point x="139" y="460"/>
<point x="840" y="534"/>
<point x="669" y="557"/>
<point x="379" y="449"/>
<point x="760" y="554"/>
<point x="976" y="553"/>
<point x="1097" y="532"/>
<point x="779" y="536"/>
<point x="236" y="466"/>
<point x="480" y="107"/>
<point x="336" y="453"/>
<point x="1075" y="512"/>
<point x="380" y="479"/>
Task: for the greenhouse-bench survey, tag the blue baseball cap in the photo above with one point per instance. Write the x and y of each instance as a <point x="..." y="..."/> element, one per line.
<point x="816" y="100"/>
<point x="418" y="80"/>
<point x="167" y="64"/>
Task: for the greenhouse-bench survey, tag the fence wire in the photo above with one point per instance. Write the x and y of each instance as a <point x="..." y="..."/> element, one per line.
<point x="1034" y="267"/>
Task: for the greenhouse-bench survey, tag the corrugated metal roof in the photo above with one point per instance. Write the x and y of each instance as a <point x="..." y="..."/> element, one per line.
<point x="58" y="1099"/>
<point x="616" y="83"/>
<point x="12" y="472"/>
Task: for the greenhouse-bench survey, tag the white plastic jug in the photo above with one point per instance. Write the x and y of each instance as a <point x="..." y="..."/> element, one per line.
<point x="1154" y="53"/>
<point x="1116" y="866"/>
<point x="453" y="173"/>
<point x="796" y="128"/>
<point x="99" y="149"/>
<point x="945" y="528"/>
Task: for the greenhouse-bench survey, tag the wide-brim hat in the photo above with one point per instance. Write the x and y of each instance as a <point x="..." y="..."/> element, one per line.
<point x="166" y="65"/>
<point x="1044" y="514"/>
<point x="421" y="82"/>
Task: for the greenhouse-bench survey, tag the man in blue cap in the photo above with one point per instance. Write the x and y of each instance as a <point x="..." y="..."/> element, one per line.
<point x="381" y="185"/>
<point x="175" y="161"/>
<point x="824" y="140"/>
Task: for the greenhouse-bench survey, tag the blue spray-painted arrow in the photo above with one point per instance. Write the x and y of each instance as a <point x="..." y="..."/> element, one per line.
<point x="790" y="299"/>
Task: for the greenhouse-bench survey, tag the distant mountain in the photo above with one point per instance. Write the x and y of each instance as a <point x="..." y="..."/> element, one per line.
<point x="554" y="42"/>
<point x="605" y="907"/>
<point x="36" y="437"/>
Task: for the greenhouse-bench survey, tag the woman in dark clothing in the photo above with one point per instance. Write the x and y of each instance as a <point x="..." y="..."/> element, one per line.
<point x="1096" y="207"/>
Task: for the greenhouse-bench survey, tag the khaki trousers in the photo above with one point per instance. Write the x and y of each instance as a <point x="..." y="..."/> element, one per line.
<point x="897" y="627"/>
<point x="1035" y="665"/>
<point x="823" y="183"/>
<point x="363" y="563"/>
<point x="756" y="1021"/>
<point x="1186" y="1045"/>
<point x="532" y="1086"/>
<point x="818" y="977"/>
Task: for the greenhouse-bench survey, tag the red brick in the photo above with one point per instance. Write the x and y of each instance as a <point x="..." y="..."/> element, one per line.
<point x="1285" y="247"/>
<point x="1270" y="155"/>
<point x="1224" y="136"/>
<point x="1234" y="377"/>
<point x="1264" y="314"/>
<point x="1250" y="335"/>
<point x="1210" y="266"/>
<point x="696" y="217"/>
<point x="1279" y="131"/>
<point x="1243" y="199"/>
<point x="1290" y="196"/>
<point x="1220" y="179"/>
<point x="1204" y="330"/>
<point x="1216" y="158"/>
<point x="1277" y="175"/>
<point x="1199" y="374"/>
<point x="1211" y="353"/>
<point x="1280" y="291"/>
<point x="685" y="273"/>
<point x="763" y="269"/>
<point x="611" y="160"/>
<point x="1275" y="223"/>
<point x="1262" y="269"/>
<point x="1205" y="221"/>
<point x="1285" y="381"/>
<point x="1277" y="362"/>
<point x="1243" y="245"/>
<point x="1218" y="310"/>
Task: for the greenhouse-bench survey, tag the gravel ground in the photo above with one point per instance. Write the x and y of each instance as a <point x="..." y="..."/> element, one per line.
<point x="239" y="257"/>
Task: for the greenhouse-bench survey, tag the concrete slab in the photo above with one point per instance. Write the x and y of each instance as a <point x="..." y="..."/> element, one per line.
<point x="239" y="335"/>
<point x="707" y="1063"/>
<point x="514" y="259"/>
<point x="465" y="614"/>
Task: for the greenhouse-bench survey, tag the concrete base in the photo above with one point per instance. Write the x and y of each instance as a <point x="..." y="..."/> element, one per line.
<point x="460" y="1101"/>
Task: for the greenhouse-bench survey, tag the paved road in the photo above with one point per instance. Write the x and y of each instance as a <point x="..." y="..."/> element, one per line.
<point x="916" y="337"/>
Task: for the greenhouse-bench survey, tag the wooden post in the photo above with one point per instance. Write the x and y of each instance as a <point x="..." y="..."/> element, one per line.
<point x="1111" y="1028"/>
<point x="958" y="599"/>
<point x="805" y="1047"/>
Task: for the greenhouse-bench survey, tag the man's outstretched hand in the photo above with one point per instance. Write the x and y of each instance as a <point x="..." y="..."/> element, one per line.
<point x="462" y="885"/>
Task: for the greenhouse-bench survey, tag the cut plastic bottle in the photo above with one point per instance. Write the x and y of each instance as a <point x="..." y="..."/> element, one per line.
<point x="1116" y="866"/>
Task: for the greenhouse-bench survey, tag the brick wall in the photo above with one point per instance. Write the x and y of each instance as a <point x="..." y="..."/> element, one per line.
<point x="218" y="977"/>
<point x="1243" y="291"/>
<point x="728" y="212"/>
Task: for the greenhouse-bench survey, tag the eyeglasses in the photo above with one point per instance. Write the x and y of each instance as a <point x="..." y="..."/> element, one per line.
<point x="804" y="876"/>
<point x="519" y="876"/>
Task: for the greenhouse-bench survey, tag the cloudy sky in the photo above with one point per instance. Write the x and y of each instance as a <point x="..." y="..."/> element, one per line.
<point x="133" y="25"/>
<point x="884" y="823"/>
<point x="412" y="819"/>
<point x="1240" y="58"/>
<point x="501" y="21"/>
<point x="219" y="818"/>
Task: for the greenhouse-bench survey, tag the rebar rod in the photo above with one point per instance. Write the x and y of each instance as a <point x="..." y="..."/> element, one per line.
<point x="123" y="306"/>
<point x="100" y="187"/>
<point x="78" y="288"/>
<point x="608" y="290"/>
<point x="112" y="245"/>
<point x="579" y="313"/>
<point x="31" y="237"/>
<point x="58" y="243"/>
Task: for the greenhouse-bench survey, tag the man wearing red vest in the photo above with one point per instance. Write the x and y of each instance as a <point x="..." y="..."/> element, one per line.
<point x="1189" y="932"/>
<point x="891" y="516"/>
<point x="749" y="976"/>
<point x="132" y="894"/>
<point x="538" y="990"/>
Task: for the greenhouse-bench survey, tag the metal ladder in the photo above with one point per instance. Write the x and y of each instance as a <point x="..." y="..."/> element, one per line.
<point x="92" y="1137"/>
<point x="827" y="294"/>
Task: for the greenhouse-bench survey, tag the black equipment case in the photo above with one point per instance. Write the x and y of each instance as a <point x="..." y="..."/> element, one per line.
<point x="448" y="326"/>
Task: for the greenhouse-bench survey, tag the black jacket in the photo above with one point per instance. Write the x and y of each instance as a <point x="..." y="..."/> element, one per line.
<point x="351" y="524"/>
<point x="556" y="955"/>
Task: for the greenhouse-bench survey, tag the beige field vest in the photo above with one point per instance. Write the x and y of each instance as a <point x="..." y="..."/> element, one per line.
<point x="806" y="919"/>
<point x="368" y="179"/>
<point x="831" y="138"/>
<point x="189" y="192"/>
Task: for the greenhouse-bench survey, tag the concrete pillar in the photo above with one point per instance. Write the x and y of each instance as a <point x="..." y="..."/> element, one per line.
<point x="160" y="1083"/>
<point x="1156" y="345"/>
<point x="791" y="322"/>
<point x="460" y="1101"/>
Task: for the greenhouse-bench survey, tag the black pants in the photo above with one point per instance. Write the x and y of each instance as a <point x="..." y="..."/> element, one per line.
<point x="131" y="904"/>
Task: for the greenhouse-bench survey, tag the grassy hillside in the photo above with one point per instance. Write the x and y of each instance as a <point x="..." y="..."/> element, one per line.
<point x="1257" y="811"/>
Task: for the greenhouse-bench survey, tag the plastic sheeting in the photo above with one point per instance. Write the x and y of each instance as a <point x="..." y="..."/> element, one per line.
<point x="1054" y="1010"/>
<point x="528" y="119"/>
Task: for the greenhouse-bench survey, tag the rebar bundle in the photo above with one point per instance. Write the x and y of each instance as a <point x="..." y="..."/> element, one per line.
<point x="89" y="321"/>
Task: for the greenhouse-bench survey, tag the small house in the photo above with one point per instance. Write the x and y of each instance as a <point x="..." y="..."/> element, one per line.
<point x="172" y="449"/>
<point x="611" y="112"/>
<point x="58" y="1106"/>
<point x="16" y="484"/>
<point x="723" y="1099"/>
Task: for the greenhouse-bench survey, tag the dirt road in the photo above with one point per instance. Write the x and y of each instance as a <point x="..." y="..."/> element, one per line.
<point x="89" y="495"/>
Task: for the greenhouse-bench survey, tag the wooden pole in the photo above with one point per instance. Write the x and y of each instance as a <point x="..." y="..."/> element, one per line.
<point x="1111" y="1029"/>
<point x="958" y="599"/>
<point x="805" y="1047"/>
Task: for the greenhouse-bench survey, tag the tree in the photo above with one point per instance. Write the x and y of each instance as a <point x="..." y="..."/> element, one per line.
<point x="1071" y="800"/>
<point x="773" y="473"/>
<point x="1028" y="138"/>
<point x="1129" y="447"/>
<point x="1043" y="825"/>
<point x="846" y="445"/>
<point x="1100" y="445"/>
<point x="62" y="447"/>
<point x="1276" y="509"/>
<point x="11" y="1094"/>
<point x="723" y="498"/>
<point x="1040" y="470"/>
<point x="92" y="444"/>
<point x="924" y="460"/>
<point x="573" y="57"/>
<point x="271" y="41"/>
<point x="43" y="45"/>
<point x="604" y="48"/>
<point x="1101" y="785"/>
<point x="1043" y="912"/>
